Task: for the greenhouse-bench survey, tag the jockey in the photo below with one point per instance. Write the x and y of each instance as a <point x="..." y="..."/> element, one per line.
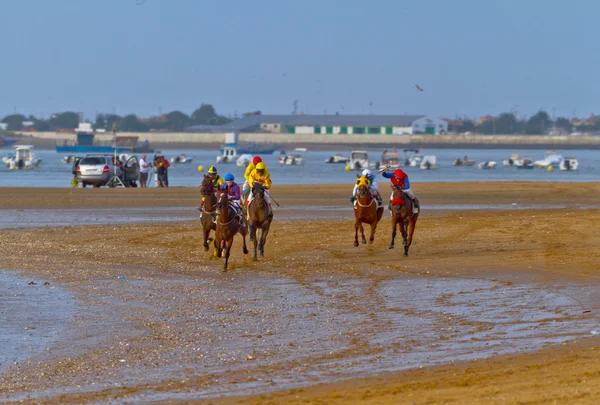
<point x="261" y="175"/>
<point x="217" y="181"/>
<point x="233" y="192"/>
<point x="373" y="187"/>
<point x="249" y="169"/>
<point x="400" y="179"/>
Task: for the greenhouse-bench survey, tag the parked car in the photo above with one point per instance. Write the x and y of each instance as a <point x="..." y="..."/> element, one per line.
<point x="97" y="170"/>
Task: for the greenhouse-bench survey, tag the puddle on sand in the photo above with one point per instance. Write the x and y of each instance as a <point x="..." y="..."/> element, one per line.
<point x="33" y="316"/>
<point x="286" y="334"/>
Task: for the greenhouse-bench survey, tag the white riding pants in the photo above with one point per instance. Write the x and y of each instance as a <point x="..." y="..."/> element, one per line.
<point x="267" y="197"/>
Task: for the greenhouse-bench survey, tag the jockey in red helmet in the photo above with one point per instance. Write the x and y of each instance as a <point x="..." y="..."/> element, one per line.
<point x="400" y="179"/>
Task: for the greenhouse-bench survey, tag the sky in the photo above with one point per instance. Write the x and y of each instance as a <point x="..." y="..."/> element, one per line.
<point x="470" y="57"/>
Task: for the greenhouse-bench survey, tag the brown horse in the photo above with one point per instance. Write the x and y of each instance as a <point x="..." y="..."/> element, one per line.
<point x="365" y="211"/>
<point x="402" y="214"/>
<point x="207" y="215"/>
<point x="258" y="213"/>
<point x="229" y="222"/>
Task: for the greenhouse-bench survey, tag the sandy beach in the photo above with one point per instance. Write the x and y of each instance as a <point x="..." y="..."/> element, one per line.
<point x="497" y="302"/>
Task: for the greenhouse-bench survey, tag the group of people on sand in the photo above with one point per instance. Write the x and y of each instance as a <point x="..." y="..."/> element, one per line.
<point x="256" y="172"/>
<point x="398" y="179"/>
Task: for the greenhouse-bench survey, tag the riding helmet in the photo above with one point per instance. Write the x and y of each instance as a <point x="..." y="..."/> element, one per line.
<point x="256" y="159"/>
<point x="261" y="166"/>
<point x="229" y="177"/>
<point x="212" y="169"/>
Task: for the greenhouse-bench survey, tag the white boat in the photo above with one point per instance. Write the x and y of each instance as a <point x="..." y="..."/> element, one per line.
<point x="229" y="155"/>
<point x="525" y="163"/>
<point x="412" y="157"/>
<point x="390" y="159"/>
<point x="181" y="159"/>
<point x="359" y="160"/>
<point x="513" y="160"/>
<point x="68" y="159"/>
<point x="463" y="162"/>
<point x="550" y="159"/>
<point x="337" y="158"/>
<point x="569" y="164"/>
<point x="296" y="158"/>
<point x="24" y="158"/>
<point x="244" y="160"/>
<point x="487" y="165"/>
<point x="8" y="158"/>
<point x="429" y="162"/>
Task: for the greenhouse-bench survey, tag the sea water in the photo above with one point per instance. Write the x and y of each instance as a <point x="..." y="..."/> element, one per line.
<point x="53" y="173"/>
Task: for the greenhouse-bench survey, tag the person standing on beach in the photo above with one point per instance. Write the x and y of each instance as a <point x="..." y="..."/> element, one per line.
<point x="144" y="168"/>
<point x="162" y="165"/>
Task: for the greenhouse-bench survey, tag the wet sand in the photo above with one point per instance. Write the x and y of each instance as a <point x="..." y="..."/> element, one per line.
<point x="491" y="306"/>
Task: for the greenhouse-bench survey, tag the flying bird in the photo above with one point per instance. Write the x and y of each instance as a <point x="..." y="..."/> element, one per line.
<point x="418" y="87"/>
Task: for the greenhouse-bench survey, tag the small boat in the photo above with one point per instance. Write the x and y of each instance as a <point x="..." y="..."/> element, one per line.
<point x="8" y="158"/>
<point x="412" y="157"/>
<point x="359" y="160"/>
<point x="181" y="159"/>
<point x="338" y="158"/>
<point x="487" y="165"/>
<point x="429" y="162"/>
<point x="244" y="160"/>
<point x="390" y="159"/>
<point x="296" y="158"/>
<point x="463" y="162"/>
<point x="550" y="159"/>
<point x="525" y="163"/>
<point x="24" y="158"/>
<point x="229" y="155"/>
<point x="569" y="164"/>
<point x="512" y="161"/>
<point x="68" y="159"/>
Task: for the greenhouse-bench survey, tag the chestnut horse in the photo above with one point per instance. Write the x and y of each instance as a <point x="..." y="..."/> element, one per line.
<point x="229" y="222"/>
<point x="259" y="217"/>
<point x="207" y="215"/>
<point x="402" y="214"/>
<point x="365" y="211"/>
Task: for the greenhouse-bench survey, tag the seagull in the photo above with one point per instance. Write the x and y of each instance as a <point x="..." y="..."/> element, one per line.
<point x="418" y="87"/>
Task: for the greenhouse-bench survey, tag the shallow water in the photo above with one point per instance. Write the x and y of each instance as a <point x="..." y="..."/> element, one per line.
<point x="53" y="173"/>
<point x="33" y="317"/>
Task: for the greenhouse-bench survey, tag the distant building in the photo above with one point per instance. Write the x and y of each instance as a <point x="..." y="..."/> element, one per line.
<point x="331" y="124"/>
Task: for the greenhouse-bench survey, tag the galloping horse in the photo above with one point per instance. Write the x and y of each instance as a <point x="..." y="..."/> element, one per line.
<point x="258" y="212"/>
<point x="208" y="211"/>
<point x="402" y="214"/>
<point x="365" y="211"/>
<point x="229" y="222"/>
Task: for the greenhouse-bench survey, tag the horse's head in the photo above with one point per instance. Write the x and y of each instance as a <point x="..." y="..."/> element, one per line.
<point x="258" y="191"/>
<point x="363" y="185"/>
<point x="222" y="198"/>
<point x="206" y="188"/>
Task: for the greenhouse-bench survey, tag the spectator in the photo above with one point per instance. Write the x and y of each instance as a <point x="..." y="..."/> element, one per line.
<point x="162" y="165"/>
<point x="144" y="168"/>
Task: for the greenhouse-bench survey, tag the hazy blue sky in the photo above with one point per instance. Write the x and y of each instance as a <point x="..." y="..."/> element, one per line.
<point x="471" y="57"/>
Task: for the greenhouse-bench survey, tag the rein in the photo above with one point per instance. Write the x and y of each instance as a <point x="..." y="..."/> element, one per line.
<point x="364" y="206"/>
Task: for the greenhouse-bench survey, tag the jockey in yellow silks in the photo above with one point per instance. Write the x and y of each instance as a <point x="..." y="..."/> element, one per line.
<point x="261" y="175"/>
<point x="249" y="169"/>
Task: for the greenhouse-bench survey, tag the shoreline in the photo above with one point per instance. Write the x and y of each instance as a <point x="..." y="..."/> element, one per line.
<point x="174" y="310"/>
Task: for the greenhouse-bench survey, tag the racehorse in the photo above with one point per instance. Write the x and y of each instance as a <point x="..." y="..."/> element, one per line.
<point x="402" y="214"/>
<point x="258" y="212"/>
<point x="229" y="222"/>
<point x="207" y="191"/>
<point x="365" y="211"/>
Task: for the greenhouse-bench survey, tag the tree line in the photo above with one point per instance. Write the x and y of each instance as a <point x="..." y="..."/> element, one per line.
<point x="173" y="121"/>
<point x="508" y="123"/>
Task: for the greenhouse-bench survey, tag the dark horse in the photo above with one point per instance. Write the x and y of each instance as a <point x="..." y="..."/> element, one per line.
<point x="258" y="212"/>
<point x="229" y="222"/>
<point x="208" y="211"/>
<point x="402" y="214"/>
<point x="365" y="211"/>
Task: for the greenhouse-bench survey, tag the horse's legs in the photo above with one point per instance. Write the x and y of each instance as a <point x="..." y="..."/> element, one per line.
<point x="227" y="250"/>
<point x="411" y="229"/>
<point x="217" y="243"/>
<point x="263" y="237"/>
<point x="394" y="222"/>
<point x="253" y="238"/>
<point x="362" y="233"/>
<point x="373" y="228"/>
<point x="207" y="238"/>
<point x="356" y="233"/>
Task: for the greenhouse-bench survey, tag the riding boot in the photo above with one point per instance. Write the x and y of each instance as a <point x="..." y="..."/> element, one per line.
<point x="390" y="205"/>
<point x="416" y="205"/>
